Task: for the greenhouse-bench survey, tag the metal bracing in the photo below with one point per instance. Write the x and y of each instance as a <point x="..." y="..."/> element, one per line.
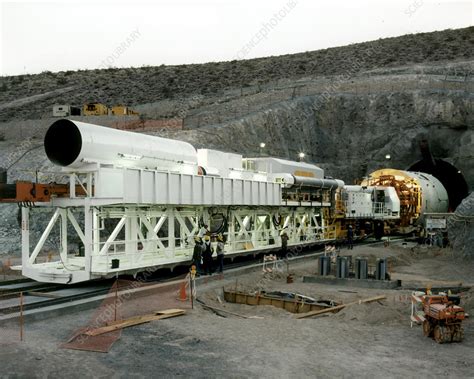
<point x="76" y="226"/>
<point x="44" y="236"/>
<point x="63" y="234"/>
<point x="157" y="236"/>
<point x="113" y="235"/>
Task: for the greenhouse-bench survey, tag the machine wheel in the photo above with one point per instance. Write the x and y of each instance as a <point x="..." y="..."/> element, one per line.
<point x="458" y="333"/>
<point x="442" y="334"/>
<point x="427" y="329"/>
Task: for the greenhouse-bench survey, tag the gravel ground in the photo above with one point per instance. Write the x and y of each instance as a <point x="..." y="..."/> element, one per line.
<point x="369" y="340"/>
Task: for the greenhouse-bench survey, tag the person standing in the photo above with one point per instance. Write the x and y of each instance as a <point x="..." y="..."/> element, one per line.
<point x="220" y="253"/>
<point x="207" y="255"/>
<point x="284" y="244"/>
<point x="197" y="254"/>
<point x="350" y="237"/>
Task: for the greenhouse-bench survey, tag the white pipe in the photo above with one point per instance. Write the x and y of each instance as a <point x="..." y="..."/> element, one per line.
<point x="74" y="144"/>
<point x="317" y="183"/>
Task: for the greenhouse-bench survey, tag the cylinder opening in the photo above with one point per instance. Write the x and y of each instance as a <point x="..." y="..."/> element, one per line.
<point x="451" y="178"/>
<point x="63" y="142"/>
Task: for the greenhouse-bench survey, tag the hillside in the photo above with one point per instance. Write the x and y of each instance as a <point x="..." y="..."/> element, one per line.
<point x="31" y="96"/>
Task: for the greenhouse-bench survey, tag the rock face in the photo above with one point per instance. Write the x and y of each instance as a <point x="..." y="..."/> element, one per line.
<point x="461" y="228"/>
<point x="350" y="135"/>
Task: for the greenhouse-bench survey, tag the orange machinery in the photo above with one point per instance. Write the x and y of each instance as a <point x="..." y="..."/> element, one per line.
<point x="30" y="193"/>
<point x="443" y="318"/>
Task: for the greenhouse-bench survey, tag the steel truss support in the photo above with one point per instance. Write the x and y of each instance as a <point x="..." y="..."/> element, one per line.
<point x="132" y="238"/>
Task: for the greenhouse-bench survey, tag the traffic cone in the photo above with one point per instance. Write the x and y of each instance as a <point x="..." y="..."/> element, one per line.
<point x="182" y="292"/>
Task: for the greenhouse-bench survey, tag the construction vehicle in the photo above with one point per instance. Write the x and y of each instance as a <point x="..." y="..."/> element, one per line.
<point x="98" y="109"/>
<point x="95" y="109"/>
<point x="443" y="318"/>
<point x="122" y="110"/>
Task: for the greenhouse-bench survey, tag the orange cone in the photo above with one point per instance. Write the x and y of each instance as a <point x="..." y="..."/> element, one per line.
<point x="182" y="292"/>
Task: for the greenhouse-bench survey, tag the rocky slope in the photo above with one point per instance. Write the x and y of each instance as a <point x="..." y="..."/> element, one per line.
<point x="30" y="96"/>
<point x="461" y="228"/>
<point x="350" y="135"/>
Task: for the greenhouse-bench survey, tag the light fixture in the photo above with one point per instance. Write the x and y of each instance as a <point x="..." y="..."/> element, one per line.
<point x="262" y="144"/>
<point x="387" y="156"/>
<point x="301" y="155"/>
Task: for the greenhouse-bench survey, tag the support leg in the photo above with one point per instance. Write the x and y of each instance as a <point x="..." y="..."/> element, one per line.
<point x="25" y="236"/>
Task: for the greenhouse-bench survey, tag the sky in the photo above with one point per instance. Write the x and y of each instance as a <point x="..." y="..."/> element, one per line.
<point x="70" y="35"/>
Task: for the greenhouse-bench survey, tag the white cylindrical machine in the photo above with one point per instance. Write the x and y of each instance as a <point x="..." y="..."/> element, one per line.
<point x="75" y="144"/>
<point x="419" y="193"/>
<point x="435" y="196"/>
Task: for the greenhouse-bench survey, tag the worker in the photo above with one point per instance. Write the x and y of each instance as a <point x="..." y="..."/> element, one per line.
<point x="445" y="239"/>
<point x="350" y="238"/>
<point x="284" y="244"/>
<point x="207" y="255"/>
<point x="220" y="253"/>
<point x="197" y="254"/>
<point x="300" y="231"/>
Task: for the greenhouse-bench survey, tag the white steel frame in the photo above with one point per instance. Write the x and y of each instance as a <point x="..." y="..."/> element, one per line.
<point x="156" y="235"/>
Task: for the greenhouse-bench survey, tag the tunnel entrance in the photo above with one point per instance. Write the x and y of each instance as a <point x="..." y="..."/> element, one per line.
<point x="451" y="178"/>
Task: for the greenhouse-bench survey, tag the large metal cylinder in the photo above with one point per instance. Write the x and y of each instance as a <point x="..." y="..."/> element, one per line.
<point x="324" y="265"/>
<point x="419" y="193"/>
<point x="317" y="183"/>
<point x="362" y="268"/>
<point x="381" y="269"/>
<point x="75" y="144"/>
<point x="342" y="267"/>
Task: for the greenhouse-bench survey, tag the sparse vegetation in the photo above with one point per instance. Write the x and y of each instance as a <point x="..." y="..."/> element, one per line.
<point x="146" y="84"/>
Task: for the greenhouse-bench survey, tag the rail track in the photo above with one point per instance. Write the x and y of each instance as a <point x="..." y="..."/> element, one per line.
<point x="38" y="295"/>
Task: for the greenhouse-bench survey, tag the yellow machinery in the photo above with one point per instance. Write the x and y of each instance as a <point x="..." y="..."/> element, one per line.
<point x="95" y="109"/>
<point x="122" y="110"/>
<point x="419" y="193"/>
